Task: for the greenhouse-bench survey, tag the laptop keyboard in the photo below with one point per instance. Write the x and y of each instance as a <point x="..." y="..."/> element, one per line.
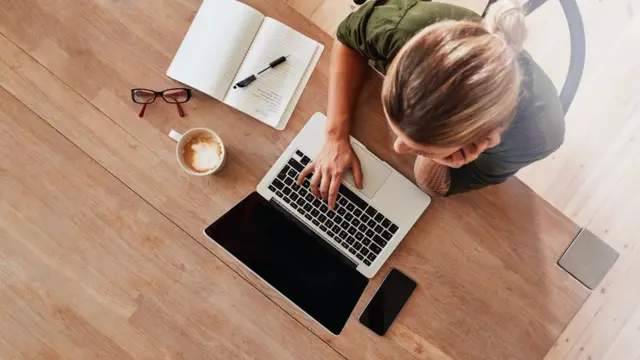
<point x="355" y="225"/>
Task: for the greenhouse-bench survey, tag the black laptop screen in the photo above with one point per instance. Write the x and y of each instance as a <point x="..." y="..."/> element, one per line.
<point x="294" y="261"/>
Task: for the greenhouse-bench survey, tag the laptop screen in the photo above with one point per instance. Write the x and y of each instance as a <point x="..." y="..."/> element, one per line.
<point x="292" y="259"/>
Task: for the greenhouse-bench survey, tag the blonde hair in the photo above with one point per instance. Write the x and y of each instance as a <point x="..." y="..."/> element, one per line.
<point x="456" y="81"/>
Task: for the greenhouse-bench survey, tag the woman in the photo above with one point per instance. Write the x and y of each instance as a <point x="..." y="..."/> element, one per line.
<point x="458" y="92"/>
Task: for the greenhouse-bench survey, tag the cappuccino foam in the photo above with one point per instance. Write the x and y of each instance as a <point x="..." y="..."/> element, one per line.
<point x="202" y="153"/>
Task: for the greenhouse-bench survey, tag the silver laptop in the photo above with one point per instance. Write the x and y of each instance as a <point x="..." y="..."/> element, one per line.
<point x="367" y="224"/>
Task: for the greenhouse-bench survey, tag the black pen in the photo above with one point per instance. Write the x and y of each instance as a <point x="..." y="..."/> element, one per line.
<point x="251" y="78"/>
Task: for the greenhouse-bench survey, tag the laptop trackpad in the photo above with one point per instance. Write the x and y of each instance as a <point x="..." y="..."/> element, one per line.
<point x="374" y="172"/>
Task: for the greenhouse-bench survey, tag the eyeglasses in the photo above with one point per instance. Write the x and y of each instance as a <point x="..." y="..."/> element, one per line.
<point x="172" y="96"/>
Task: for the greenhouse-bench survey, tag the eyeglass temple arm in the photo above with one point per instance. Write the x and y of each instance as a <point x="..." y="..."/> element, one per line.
<point x="180" y="111"/>
<point x="141" y="113"/>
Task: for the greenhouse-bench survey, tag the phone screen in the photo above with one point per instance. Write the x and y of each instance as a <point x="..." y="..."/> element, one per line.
<point x="387" y="302"/>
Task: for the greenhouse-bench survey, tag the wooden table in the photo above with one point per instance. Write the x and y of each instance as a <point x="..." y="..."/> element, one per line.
<point x="101" y="246"/>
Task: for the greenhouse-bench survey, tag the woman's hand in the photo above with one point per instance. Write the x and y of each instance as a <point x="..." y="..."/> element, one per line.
<point x="470" y="152"/>
<point x="330" y="164"/>
<point x="346" y="75"/>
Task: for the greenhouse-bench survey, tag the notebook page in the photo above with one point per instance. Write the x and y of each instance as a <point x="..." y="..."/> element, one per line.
<point x="217" y="41"/>
<point x="298" y="93"/>
<point x="267" y="98"/>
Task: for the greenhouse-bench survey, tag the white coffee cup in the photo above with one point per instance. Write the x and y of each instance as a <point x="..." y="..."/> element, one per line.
<point x="183" y="139"/>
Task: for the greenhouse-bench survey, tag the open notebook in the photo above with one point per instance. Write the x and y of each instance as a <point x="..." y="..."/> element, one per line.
<point x="229" y="41"/>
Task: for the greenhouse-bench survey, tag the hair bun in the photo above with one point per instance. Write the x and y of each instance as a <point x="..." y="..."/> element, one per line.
<point x="505" y="18"/>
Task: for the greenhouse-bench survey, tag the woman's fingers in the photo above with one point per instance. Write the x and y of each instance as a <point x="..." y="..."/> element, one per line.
<point x="479" y="147"/>
<point x="469" y="153"/>
<point x="314" y="182"/>
<point x="474" y="150"/>
<point x="306" y="171"/>
<point x="445" y="162"/>
<point x="459" y="158"/>
<point x="465" y="155"/>
<point x="333" y="191"/>
<point x="454" y="160"/>
<point x="324" y="185"/>
<point x="357" y="171"/>
<point x="494" y="140"/>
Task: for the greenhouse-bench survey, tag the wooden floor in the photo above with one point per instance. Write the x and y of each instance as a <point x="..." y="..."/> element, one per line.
<point x="127" y="285"/>
<point x="594" y="176"/>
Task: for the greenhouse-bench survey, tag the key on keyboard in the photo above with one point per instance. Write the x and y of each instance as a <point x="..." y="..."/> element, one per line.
<point x="296" y="165"/>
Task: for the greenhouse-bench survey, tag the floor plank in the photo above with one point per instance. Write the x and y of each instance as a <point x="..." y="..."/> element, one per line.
<point x="591" y="178"/>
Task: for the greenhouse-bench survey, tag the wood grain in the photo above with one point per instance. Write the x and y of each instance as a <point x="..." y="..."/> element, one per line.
<point x="89" y="270"/>
<point x="592" y="178"/>
<point x="489" y="286"/>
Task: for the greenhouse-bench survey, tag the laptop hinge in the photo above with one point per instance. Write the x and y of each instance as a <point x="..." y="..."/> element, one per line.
<point x="310" y="231"/>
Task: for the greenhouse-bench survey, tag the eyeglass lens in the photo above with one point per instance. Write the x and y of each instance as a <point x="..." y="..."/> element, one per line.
<point x="142" y="96"/>
<point x="175" y="96"/>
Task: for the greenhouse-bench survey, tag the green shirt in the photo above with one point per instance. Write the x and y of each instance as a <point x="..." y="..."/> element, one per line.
<point x="379" y="29"/>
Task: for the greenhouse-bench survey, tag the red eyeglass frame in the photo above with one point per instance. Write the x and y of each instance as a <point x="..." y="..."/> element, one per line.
<point x="163" y="96"/>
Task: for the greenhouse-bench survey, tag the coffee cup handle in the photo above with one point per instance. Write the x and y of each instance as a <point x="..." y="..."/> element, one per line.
<point x="175" y="135"/>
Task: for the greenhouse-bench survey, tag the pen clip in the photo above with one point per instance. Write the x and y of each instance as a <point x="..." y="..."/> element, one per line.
<point x="245" y="82"/>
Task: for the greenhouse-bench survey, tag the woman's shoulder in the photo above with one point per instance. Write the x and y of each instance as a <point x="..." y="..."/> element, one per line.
<point x="408" y="17"/>
<point x="538" y="128"/>
<point x="425" y="13"/>
<point x="379" y="28"/>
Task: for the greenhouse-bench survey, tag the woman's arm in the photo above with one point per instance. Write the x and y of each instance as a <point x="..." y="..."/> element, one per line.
<point x="336" y="156"/>
<point x="345" y="79"/>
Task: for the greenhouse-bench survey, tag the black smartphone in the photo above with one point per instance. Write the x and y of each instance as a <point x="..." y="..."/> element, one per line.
<point x="387" y="302"/>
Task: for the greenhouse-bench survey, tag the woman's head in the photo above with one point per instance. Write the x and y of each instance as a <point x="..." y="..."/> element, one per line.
<point x="456" y="82"/>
